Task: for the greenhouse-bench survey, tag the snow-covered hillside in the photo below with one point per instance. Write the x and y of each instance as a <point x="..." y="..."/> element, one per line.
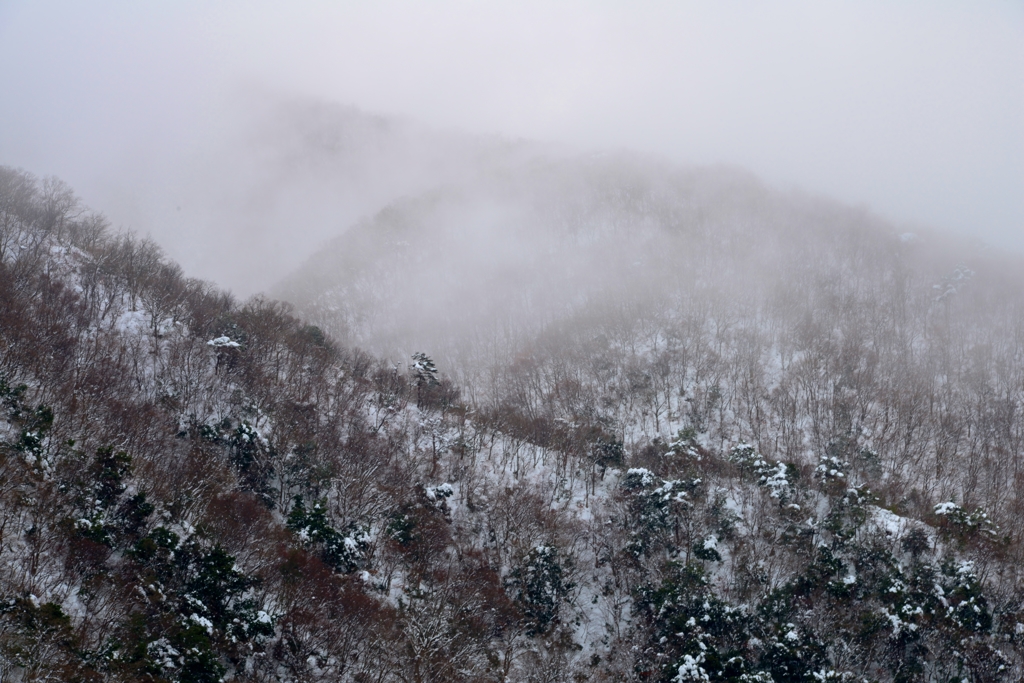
<point x="647" y="299"/>
<point x="193" y="489"/>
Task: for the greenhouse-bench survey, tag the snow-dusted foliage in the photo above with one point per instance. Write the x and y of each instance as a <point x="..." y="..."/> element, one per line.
<point x="193" y="489"/>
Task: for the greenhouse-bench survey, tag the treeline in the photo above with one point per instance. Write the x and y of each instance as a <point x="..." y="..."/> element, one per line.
<point x="193" y="488"/>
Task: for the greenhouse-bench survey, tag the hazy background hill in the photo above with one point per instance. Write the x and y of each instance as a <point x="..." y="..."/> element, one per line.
<point x="478" y="267"/>
<point x="261" y="181"/>
<point x="626" y="292"/>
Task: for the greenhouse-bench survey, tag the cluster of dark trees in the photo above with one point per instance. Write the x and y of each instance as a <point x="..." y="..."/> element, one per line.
<point x="196" y="489"/>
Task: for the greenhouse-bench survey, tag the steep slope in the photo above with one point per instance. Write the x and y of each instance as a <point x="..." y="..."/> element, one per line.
<point x="192" y="489"/>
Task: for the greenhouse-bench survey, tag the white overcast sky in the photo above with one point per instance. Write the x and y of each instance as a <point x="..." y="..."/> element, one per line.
<point x="915" y="109"/>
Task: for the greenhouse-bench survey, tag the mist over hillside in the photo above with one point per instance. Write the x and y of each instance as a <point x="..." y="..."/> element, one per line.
<point x="519" y="246"/>
<point x="261" y="181"/>
<point x="512" y="342"/>
<point x="652" y="299"/>
<point x="531" y="415"/>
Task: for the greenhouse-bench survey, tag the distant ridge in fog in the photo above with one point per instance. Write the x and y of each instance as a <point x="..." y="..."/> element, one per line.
<point x="268" y="180"/>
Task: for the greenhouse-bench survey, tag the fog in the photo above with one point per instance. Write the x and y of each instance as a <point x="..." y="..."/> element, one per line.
<point x="205" y="124"/>
<point x="563" y="340"/>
